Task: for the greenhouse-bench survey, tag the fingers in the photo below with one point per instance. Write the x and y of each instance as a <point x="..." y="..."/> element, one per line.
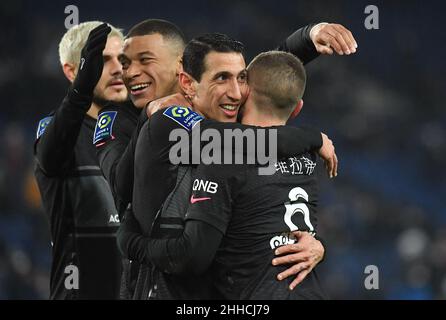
<point x="335" y="37"/>
<point x="166" y="102"/>
<point x="299" y="234"/>
<point x="324" y="50"/>
<point x="98" y="37"/>
<point x="327" y="153"/>
<point x="291" y="258"/>
<point x="347" y="36"/>
<point x="343" y="37"/>
<point x="98" y="30"/>
<point x="335" y="169"/>
<point x="97" y="41"/>
<point x="289" y="248"/>
<point x="300" y="277"/>
<point x="293" y="270"/>
<point x="152" y="107"/>
<point x="330" y="167"/>
<point x="330" y="41"/>
<point x="324" y="47"/>
<point x="337" y="41"/>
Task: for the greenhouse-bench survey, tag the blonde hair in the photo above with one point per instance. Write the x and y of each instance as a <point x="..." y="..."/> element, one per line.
<point x="73" y="41"/>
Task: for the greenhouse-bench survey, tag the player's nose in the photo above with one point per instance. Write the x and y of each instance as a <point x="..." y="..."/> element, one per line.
<point x="132" y="71"/>
<point x="116" y="67"/>
<point x="234" y="92"/>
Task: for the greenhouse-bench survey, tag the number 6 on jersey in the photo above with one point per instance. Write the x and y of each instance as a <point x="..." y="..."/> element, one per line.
<point x="293" y="208"/>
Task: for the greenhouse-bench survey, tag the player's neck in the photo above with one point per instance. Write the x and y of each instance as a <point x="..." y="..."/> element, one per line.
<point x="94" y="110"/>
<point x="262" y="118"/>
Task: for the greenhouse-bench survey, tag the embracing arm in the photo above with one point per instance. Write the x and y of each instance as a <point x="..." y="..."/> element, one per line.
<point x="291" y="141"/>
<point x="192" y="252"/>
<point x="194" y="249"/>
<point x="300" y="44"/>
<point x="323" y="38"/>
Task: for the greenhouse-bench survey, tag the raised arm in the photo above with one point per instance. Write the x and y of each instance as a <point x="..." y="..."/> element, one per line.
<point x="308" y="42"/>
<point x="56" y="137"/>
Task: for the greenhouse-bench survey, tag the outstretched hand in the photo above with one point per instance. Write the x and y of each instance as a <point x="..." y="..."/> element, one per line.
<point x="331" y="37"/>
<point x="92" y="61"/>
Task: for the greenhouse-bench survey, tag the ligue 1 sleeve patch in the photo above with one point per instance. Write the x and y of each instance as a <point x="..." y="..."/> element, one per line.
<point x="104" y="127"/>
<point x="42" y="126"/>
<point x="185" y="117"/>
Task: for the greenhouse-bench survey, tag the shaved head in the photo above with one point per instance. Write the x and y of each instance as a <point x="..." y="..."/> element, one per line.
<point x="277" y="79"/>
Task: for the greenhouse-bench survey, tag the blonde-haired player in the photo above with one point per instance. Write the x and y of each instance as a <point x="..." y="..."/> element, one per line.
<point x="75" y="195"/>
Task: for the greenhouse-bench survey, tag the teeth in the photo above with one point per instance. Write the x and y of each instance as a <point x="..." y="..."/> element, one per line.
<point x="229" y="107"/>
<point x="139" y="86"/>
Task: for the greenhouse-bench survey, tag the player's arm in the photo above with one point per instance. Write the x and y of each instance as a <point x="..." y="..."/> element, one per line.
<point x="115" y="149"/>
<point x="323" y="38"/>
<point x="296" y="140"/>
<point x="124" y="173"/>
<point x="192" y="252"/>
<point x="206" y="221"/>
<point x="303" y="256"/>
<point x="300" y="44"/>
<point x="290" y="141"/>
<point x="55" y="143"/>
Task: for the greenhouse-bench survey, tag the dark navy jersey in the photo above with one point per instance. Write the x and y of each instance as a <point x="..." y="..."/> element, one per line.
<point x="80" y="207"/>
<point x="115" y="138"/>
<point x="155" y="176"/>
<point x="256" y="214"/>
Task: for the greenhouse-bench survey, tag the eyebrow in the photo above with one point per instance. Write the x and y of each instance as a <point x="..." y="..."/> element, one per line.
<point x="221" y="73"/>
<point x="227" y="73"/>
<point x="150" y="53"/>
<point x="123" y="56"/>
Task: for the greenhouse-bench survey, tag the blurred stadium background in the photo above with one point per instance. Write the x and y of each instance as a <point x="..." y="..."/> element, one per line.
<point x="383" y="107"/>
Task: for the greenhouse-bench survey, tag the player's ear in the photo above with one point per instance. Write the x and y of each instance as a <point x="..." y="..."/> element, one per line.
<point x="179" y="65"/>
<point x="245" y="94"/>
<point x="69" y="71"/>
<point x="187" y="84"/>
<point x="297" y="109"/>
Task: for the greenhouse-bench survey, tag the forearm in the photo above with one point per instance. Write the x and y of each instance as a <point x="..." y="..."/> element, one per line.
<point x="125" y="168"/>
<point x="182" y="255"/>
<point x="56" y="145"/>
<point x="300" y="44"/>
<point x="297" y="140"/>
<point x="290" y="140"/>
<point x="123" y="180"/>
